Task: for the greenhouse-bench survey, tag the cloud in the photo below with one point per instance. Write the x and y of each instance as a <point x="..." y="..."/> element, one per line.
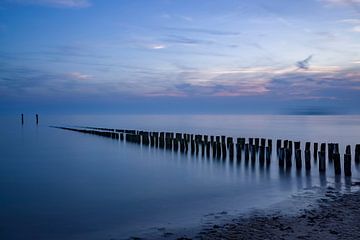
<point x="203" y="31"/>
<point x="55" y="3"/>
<point x="79" y="76"/>
<point x="157" y="46"/>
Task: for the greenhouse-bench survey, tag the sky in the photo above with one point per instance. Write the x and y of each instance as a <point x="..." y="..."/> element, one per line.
<point x="180" y="56"/>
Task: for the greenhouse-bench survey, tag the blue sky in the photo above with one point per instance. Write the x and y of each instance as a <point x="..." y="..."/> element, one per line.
<point x="219" y="56"/>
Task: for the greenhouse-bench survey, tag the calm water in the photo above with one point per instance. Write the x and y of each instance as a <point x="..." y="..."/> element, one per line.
<point x="57" y="184"/>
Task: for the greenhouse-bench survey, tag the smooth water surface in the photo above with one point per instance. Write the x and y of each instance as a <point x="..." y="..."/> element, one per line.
<point x="58" y="184"/>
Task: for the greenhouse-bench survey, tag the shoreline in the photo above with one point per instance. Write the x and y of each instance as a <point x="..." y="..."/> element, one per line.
<point x="335" y="216"/>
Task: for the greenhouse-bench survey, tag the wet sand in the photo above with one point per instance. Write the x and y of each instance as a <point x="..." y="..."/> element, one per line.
<point x="336" y="216"/>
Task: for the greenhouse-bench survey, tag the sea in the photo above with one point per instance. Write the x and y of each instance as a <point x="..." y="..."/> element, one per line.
<point x="58" y="184"/>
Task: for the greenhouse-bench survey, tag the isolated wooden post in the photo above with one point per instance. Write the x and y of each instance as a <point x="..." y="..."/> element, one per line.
<point x="22" y="119"/>
<point x="37" y="119"/>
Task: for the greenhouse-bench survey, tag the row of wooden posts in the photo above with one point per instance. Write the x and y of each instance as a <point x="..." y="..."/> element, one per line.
<point x="221" y="146"/>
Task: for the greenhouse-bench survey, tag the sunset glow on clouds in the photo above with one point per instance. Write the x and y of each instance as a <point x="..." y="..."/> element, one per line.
<point x="181" y="49"/>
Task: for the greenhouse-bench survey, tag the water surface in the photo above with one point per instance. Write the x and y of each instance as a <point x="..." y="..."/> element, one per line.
<point x="58" y="184"/>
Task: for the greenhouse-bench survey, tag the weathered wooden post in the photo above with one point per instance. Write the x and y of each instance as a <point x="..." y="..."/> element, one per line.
<point x="22" y="119"/>
<point x="223" y="148"/>
<point x="208" y="149"/>
<point x="231" y="151"/>
<point x="251" y="141"/>
<point x="357" y="153"/>
<point x="290" y="147"/>
<point x="278" y="145"/>
<point x="270" y="145"/>
<point x="330" y="151"/>
<point x="257" y="142"/>
<point x="268" y="155"/>
<point x="211" y="139"/>
<point x="229" y="140"/>
<point x="281" y="157"/>
<point x="337" y="164"/>
<point x="347" y="164"/>
<point x="262" y="154"/>
<point x="298" y="159"/>
<point x="238" y="151"/>
<point x="288" y="156"/>
<point x="218" y="150"/>
<point x="202" y="148"/>
<point x="263" y="142"/>
<point x="322" y="164"/>
<point x="307" y="160"/>
<point x="214" y="149"/>
<point x="252" y="153"/>
<point x="37" y="119"/>
<point x="315" y="150"/>
<point x="347" y="161"/>
<point x="192" y="146"/>
<point x="176" y="144"/>
<point x="297" y="145"/>
<point x="246" y="152"/>
<point x="286" y="142"/>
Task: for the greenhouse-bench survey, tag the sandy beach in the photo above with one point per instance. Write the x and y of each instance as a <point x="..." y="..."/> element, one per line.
<point x="336" y="216"/>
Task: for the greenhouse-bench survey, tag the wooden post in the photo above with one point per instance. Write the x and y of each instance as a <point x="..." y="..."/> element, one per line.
<point x="252" y="153"/>
<point x="307" y="160"/>
<point x="176" y="144"/>
<point x="322" y="164"/>
<point x="297" y="145"/>
<point x="330" y="151"/>
<point x="347" y="164"/>
<point x="278" y="145"/>
<point x="288" y="158"/>
<point x="231" y="150"/>
<point x="357" y="153"/>
<point x="268" y="155"/>
<point x="218" y="150"/>
<point x="262" y="154"/>
<point x="281" y="157"/>
<point x="22" y="119"/>
<point x="246" y="152"/>
<point x="214" y="149"/>
<point x="315" y="150"/>
<point x="208" y="149"/>
<point x="238" y="151"/>
<point x="270" y="145"/>
<point x="251" y="141"/>
<point x="298" y="159"/>
<point x="257" y="140"/>
<point x="37" y="119"/>
<point x="337" y="164"/>
<point x="263" y="142"/>
<point x="223" y="148"/>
